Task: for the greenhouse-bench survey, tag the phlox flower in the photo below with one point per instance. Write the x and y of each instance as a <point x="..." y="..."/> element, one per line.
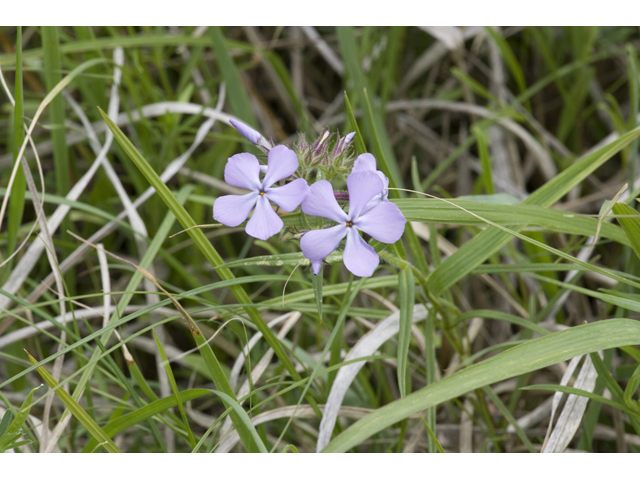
<point x="384" y="222"/>
<point x="243" y="170"/>
<point x="367" y="163"/>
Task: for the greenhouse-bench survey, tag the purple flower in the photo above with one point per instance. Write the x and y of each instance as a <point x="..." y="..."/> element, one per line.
<point x="246" y="131"/>
<point x="243" y="170"/>
<point x="367" y="163"/>
<point x="384" y="222"/>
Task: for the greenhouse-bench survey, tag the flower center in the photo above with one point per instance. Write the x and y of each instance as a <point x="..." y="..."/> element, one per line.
<point x="262" y="194"/>
<point x="349" y="224"/>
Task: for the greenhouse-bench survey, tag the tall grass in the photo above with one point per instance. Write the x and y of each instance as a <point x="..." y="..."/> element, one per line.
<point x="504" y="320"/>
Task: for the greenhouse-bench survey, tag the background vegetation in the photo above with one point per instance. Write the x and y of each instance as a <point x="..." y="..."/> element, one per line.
<point x="209" y="340"/>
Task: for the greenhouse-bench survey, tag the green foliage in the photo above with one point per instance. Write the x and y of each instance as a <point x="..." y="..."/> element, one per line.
<point x="524" y="136"/>
<point x="630" y="224"/>
<point x="11" y="431"/>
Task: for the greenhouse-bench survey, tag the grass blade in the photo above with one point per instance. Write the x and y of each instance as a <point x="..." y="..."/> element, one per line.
<point x="407" y="287"/>
<point x="77" y="411"/>
<point x="237" y="94"/>
<point x="52" y="69"/>
<point x="174" y="388"/>
<point x="16" y="206"/>
<point x="10" y="431"/>
<point x="630" y="226"/>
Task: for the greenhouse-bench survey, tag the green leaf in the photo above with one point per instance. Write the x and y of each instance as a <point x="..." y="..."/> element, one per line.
<point x="8" y="440"/>
<point x="530" y="356"/>
<point x="577" y="391"/>
<point x="246" y="421"/>
<point x="630" y="390"/>
<point x="432" y="210"/>
<point x="485" y="158"/>
<point x="407" y="289"/>
<point x="630" y="226"/>
<point x="6" y="421"/>
<point x="16" y="197"/>
<point x="23" y="413"/>
<point x="52" y="69"/>
<point x="496" y="198"/>
<point x="358" y="141"/>
<point x="634" y="99"/>
<point x="174" y="387"/>
<point x="10" y="431"/>
<point x="77" y="411"/>
<point x="237" y="95"/>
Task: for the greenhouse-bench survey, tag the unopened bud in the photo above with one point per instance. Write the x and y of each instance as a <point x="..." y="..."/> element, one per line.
<point x="246" y="131"/>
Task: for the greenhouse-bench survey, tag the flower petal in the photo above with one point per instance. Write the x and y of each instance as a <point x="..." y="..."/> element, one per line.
<point x="316" y="265"/>
<point x="246" y="131"/>
<point x="264" y="222"/>
<point x="243" y="170"/>
<point x="321" y="203"/>
<point x="363" y="186"/>
<point x="364" y="163"/>
<point x="385" y="222"/>
<point x="318" y="244"/>
<point x="282" y="162"/>
<point x="289" y="196"/>
<point x="374" y="202"/>
<point x="232" y="210"/>
<point x="359" y="257"/>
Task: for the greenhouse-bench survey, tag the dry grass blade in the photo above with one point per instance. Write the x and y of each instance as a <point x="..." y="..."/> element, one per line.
<point x="572" y="412"/>
<point x="88" y="313"/>
<point x="452" y="37"/>
<point x="324" y="49"/>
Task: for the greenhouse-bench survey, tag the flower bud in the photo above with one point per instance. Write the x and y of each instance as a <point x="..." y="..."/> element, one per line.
<point x="246" y="131"/>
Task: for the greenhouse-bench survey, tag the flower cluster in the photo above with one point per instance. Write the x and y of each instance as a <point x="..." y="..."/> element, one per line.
<point x="369" y="208"/>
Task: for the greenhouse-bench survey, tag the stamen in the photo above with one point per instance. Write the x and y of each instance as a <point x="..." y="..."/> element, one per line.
<point x="349" y="224"/>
